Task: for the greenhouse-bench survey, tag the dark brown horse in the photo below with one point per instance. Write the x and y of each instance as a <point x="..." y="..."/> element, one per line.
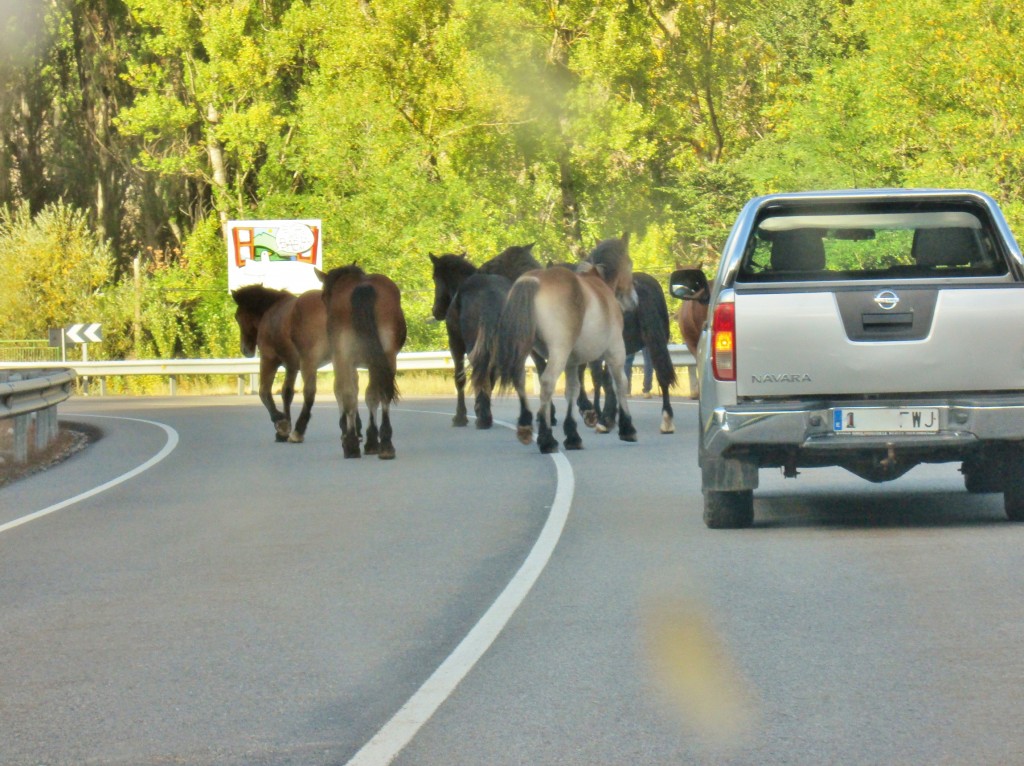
<point x="692" y="314"/>
<point x="365" y="328"/>
<point x="574" y="318"/>
<point x="289" y="331"/>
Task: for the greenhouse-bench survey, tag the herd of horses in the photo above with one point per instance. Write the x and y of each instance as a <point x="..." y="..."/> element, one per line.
<point x="566" y="317"/>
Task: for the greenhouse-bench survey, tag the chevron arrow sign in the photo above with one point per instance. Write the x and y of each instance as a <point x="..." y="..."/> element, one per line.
<point x="83" y="333"/>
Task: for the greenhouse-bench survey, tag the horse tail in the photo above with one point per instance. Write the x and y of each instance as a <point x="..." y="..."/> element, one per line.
<point x="364" y="322"/>
<point x="517" y="331"/>
<point x="652" y="313"/>
<point x="482" y="357"/>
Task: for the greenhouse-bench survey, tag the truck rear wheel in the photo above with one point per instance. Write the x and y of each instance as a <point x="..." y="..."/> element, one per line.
<point x="728" y="510"/>
<point x="1013" y="502"/>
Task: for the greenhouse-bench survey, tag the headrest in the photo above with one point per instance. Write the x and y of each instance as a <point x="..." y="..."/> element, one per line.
<point x="798" y="250"/>
<point x="950" y="246"/>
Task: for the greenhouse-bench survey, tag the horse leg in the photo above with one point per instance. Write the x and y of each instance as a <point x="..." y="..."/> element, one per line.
<point x="268" y="370"/>
<point x="611" y="399"/>
<point x="545" y="439"/>
<point x="291" y="371"/>
<point x="524" y="426"/>
<point x="667" y="423"/>
<point x="346" y="392"/>
<point x="458" y="351"/>
<point x="627" y="432"/>
<point x="541" y="364"/>
<point x="573" y="385"/>
<point x="308" y="397"/>
<point x="482" y="408"/>
<point x="372" y="446"/>
<point x="583" y="403"/>
<point x="387" y="448"/>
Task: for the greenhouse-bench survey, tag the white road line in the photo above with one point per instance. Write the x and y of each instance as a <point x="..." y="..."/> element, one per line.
<point x="172" y="442"/>
<point x="399" y="731"/>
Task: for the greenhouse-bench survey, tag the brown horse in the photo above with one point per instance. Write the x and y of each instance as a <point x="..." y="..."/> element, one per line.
<point x="691" y="316"/>
<point x="365" y="327"/>
<point x="289" y="331"/>
<point x="573" y="318"/>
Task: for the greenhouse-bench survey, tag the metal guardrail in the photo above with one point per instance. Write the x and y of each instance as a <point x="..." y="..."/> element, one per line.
<point x="30" y="396"/>
<point x="241" y="367"/>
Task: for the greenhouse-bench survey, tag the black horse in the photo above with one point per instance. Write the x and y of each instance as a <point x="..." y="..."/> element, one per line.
<point x="644" y="327"/>
<point x="469" y="303"/>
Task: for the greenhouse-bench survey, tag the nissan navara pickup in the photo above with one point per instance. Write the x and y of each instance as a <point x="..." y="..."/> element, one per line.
<point x="873" y="330"/>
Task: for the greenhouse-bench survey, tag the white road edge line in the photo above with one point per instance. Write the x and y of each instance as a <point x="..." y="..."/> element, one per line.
<point x="403" y="726"/>
<point x="172" y="442"/>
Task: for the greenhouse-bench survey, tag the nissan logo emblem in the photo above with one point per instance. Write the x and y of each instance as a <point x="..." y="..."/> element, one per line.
<point x="887" y="300"/>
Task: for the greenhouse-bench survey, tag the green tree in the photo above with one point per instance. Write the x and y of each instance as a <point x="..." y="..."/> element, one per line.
<point x="54" y="269"/>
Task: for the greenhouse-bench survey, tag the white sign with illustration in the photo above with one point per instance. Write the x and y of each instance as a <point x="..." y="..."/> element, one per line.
<point x="283" y="255"/>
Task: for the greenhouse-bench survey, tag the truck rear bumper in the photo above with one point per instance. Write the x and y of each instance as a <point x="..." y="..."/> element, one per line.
<point x="801" y="434"/>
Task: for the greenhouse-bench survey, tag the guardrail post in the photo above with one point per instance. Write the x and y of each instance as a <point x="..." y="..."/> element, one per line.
<point x="21" y="437"/>
<point x="173" y="379"/>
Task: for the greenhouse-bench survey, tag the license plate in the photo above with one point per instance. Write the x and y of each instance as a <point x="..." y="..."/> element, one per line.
<point x="885" y="420"/>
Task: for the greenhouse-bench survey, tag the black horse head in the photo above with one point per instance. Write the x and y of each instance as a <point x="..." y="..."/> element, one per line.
<point x="450" y="271"/>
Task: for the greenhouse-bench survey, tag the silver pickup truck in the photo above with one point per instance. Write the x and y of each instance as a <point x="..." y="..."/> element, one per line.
<point x="869" y="329"/>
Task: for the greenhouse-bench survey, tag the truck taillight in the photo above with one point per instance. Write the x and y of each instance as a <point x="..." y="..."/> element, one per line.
<point x="723" y="341"/>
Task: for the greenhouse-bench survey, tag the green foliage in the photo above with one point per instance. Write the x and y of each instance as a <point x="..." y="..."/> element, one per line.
<point x="417" y="126"/>
<point x="54" y="268"/>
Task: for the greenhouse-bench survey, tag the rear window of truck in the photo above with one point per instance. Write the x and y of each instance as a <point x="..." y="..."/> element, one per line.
<point x="822" y="246"/>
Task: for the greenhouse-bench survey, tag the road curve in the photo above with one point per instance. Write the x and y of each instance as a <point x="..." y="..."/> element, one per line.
<point x="239" y="601"/>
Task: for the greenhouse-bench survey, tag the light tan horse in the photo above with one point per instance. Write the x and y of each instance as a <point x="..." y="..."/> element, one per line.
<point x="570" y="318"/>
<point x="365" y="328"/>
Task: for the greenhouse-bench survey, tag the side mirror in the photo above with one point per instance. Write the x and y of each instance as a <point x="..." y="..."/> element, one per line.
<point x="689" y="285"/>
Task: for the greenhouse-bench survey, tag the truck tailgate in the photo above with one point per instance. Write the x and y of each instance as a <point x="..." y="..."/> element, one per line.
<point x="973" y="341"/>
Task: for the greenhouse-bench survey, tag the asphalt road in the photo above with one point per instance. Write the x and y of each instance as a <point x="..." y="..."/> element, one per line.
<point x="227" y="600"/>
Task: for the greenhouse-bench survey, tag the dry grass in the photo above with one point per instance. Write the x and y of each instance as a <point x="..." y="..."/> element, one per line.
<point x="67" y="443"/>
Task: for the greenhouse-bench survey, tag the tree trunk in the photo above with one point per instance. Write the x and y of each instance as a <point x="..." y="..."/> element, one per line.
<point x="217" y="163"/>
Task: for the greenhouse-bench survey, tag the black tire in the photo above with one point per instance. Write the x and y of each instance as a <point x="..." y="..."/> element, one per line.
<point x="981" y="475"/>
<point x="1013" y="501"/>
<point x="728" y="510"/>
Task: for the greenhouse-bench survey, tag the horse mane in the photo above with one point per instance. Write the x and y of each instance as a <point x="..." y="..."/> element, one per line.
<point x="457" y="265"/>
<point x="512" y="262"/>
<point x="257" y="299"/>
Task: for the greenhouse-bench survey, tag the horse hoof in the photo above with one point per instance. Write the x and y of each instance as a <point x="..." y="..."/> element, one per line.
<point x="589" y="418"/>
<point x="295" y="437"/>
<point x="386" y="453"/>
<point x="371" y="449"/>
<point x="628" y="437"/>
<point x="547" y="449"/>
<point x="484" y="423"/>
<point x="352" y="454"/>
<point x="573" y="445"/>
<point x="283" y="428"/>
<point x="600" y="428"/>
<point x="459" y="421"/>
<point x="280" y="438"/>
<point x="524" y="434"/>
